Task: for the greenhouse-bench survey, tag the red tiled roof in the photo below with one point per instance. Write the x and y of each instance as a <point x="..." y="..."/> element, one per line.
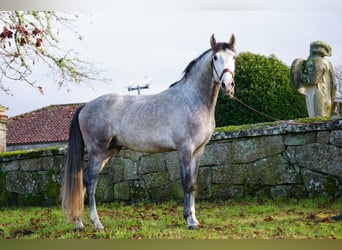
<point x="46" y="125"/>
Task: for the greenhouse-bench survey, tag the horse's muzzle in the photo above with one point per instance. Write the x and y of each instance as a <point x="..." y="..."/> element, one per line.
<point x="228" y="88"/>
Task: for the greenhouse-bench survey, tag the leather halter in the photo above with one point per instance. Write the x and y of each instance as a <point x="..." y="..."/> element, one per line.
<point x="225" y="70"/>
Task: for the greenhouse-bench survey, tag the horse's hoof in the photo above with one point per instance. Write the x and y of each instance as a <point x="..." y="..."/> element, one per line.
<point x="192" y="222"/>
<point x="99" y="226"/>
<point x="79" y="229"/>
<point x="193" y="227"/>
<point x="79" y="225"/>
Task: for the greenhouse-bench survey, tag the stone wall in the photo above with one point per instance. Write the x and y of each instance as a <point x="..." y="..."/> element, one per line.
<point x="266" y="160"/>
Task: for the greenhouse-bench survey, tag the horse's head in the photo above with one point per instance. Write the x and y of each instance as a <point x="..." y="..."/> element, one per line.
<point x="223" y="63"/>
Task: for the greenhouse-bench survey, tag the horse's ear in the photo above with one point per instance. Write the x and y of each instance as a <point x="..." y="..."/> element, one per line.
<point x="232" y="41"/>
<point x="212" y="41"/>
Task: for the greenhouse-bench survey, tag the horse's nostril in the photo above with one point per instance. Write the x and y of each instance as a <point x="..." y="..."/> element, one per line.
<point x="223" y="85"/>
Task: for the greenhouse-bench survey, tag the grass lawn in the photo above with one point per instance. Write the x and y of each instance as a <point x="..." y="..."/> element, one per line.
<point x="232" y="219"/>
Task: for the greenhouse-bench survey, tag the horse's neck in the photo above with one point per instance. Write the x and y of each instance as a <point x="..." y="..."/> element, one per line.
<point x="201" y="87"/>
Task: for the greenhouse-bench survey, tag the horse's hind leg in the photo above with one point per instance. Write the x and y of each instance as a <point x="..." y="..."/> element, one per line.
<point x="95" y="164"/>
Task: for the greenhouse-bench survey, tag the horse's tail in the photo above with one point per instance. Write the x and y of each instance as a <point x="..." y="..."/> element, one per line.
<point x="72" y="186"/>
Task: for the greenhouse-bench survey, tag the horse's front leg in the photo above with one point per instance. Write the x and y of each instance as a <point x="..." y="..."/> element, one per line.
<point x="189" y="168"/>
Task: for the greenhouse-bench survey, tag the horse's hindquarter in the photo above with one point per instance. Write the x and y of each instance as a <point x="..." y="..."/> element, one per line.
<point x="99" y="119"/>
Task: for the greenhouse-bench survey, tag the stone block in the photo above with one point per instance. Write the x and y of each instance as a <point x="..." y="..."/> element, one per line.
<point x="130" y="170"/>
<point x="8" y="166"/>
<point x="173" y="166"/>
<point x="252" y="149"/>
<point x="336" y="138"/>
<point x="273" y="170"/>
<point x="171" y="191"/>
<point x="35" y="164"/>
<point x="24" y="183"/>
<point x="204" y="180"/>
<point x="122" y="191"/>
<point x="230" y="174"/>
<point x="288" y="191"/>
<point x="289" y="154"/>
<point x="104" y="190"/>
<point x="321" y="158"/>
<point x="152" y="163"/>
<point x="226" y="191"/>
<point x="116" y="168"/>
<point x="43" y="181"/>
<point x="138" y="191"/>
<point x="299" y="139"/>
<point x="323" y="137"/>
<point x="318" y="184"/>
<point x="217" y="154"/>
<point x="158" y="179"/>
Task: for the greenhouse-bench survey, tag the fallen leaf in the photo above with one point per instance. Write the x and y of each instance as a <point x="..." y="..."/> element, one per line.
<point x="261" y="202"/>
<point x="268" y="219"/>
<point x="311" y="216"/>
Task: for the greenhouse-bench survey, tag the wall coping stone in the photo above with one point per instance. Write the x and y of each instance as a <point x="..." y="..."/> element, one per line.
<point x="274" y="128"/>
<point x="30" y="153"/>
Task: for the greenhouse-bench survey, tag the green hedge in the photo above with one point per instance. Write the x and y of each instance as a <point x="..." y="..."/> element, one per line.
<point x="263" y="83"/>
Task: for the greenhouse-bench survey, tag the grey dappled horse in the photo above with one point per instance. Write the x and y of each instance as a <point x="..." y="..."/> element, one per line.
<point x="181" y="118"/>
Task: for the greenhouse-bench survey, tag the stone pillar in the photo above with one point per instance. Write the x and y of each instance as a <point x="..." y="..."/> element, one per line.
<point x="3" y="122"/>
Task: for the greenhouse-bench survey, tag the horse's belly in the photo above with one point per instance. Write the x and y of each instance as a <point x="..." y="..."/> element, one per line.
<point x="147" y="142"/>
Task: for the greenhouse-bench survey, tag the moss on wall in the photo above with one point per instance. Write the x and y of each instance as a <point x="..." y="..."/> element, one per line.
<point x="31" y="153"/>
<point x="255" y="126"/>
<point x="53" y="187"/>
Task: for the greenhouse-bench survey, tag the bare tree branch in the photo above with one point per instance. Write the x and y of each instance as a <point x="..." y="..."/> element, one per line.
<point x="29" y="37"/>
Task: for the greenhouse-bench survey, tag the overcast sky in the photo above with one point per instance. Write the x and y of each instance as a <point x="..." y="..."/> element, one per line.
<point x="157" y="42"/>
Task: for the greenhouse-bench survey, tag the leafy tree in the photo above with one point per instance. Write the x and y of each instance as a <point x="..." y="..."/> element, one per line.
<point x="263" y="83"/>
<point x="29" y="37"/>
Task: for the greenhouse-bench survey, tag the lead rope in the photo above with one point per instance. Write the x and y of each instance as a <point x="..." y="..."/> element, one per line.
<point x="268" y="116"/>
<point x="253" y="109"/>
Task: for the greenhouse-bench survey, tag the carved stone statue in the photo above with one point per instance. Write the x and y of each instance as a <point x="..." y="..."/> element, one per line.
<point x="315" y="78"/>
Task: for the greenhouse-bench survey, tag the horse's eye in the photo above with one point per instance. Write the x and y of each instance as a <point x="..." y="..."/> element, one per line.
<point x="215" y="57"/>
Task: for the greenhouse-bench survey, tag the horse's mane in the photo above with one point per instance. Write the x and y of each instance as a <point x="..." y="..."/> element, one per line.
<point x="188" y="68"/>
